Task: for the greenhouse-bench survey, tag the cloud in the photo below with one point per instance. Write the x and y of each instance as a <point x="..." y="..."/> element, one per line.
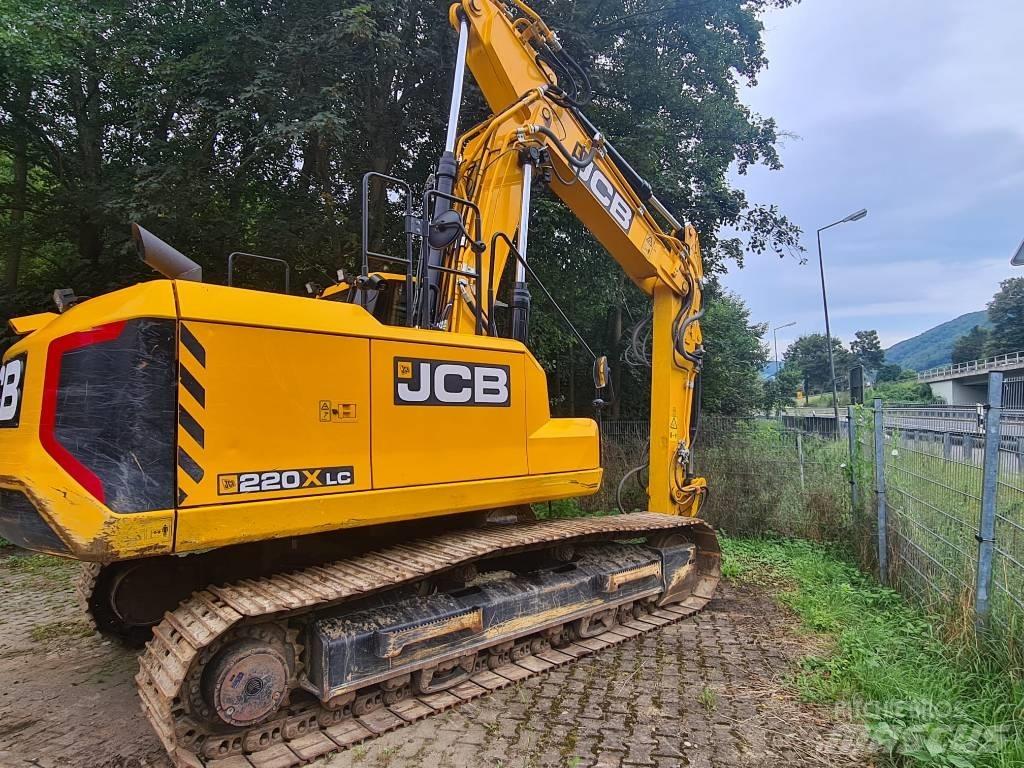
<point x="910" y="109"/>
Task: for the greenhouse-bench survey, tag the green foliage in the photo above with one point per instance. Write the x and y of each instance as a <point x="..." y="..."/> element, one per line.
<point x="781" y="389"/>
<point x="735" y="356"/>
<point x="935" y="346"/>
<point x="893" y="372"/>
<point x="905" y="391"/>
<point x="971" y="346"/>
<point x="1006" y="313"/>
<point x="925" y="701"/>
<point x="234" y="127"/>
<point x="867" y="350"/>
<point x="810" y="355"/>
<point x="805" y="498"/>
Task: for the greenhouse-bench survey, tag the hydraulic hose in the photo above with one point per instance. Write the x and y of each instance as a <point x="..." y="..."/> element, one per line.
<point x="579" y="163"/>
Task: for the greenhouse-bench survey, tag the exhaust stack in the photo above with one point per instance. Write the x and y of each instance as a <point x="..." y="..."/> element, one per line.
<point x="166" y="260"/>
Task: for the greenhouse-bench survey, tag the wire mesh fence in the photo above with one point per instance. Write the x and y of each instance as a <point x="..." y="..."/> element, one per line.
<point x="955" y="508"/>
<point x="1008" y="560"/>
<point x="939" y="503"/>
<point x="933" y="482"/>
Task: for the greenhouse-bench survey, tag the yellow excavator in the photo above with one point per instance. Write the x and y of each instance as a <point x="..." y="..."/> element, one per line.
<point x="316" y="512"/>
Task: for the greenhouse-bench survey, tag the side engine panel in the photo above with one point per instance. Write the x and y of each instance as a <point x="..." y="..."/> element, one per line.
<point x="268" y="413"/>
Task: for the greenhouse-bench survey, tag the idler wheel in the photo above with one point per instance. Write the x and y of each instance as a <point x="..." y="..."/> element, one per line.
<point x="246" y="682"/>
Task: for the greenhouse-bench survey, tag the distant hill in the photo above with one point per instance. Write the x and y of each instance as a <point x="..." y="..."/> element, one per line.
<point x="769" y="370"/>
<point x="934" y="346"/>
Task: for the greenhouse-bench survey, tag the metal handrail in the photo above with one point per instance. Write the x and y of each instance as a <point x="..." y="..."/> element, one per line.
<point x="973" y="366"/>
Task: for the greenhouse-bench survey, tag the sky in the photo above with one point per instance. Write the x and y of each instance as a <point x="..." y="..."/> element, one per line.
<point x="913" y="109"/>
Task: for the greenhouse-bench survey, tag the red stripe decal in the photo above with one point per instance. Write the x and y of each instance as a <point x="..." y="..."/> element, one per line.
<point x="48" y="418"/>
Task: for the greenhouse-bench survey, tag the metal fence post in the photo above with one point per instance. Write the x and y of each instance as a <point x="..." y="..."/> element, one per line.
<point x="883" y="546"/>
<point x="800" y="454"/>
<point x="851" y="433"/>
<point x="947" y="445"/>
<point x="989" y="486"/>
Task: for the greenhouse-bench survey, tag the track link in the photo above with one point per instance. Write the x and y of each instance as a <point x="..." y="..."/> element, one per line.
<point x="188" y="635"/>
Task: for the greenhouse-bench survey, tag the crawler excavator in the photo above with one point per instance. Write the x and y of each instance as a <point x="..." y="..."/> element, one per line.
<point x="315" y="512"/>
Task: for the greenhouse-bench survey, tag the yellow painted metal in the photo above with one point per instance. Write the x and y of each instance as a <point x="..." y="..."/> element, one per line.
<point x="272" y="362"/>
<point x="269" y="364"/>
<point x="264" y="389"/>
<point x="30" y="323"/>
<point x="219" y="525"/>
<point x="463" y="443"/>
<point x="666" y="266"/>
<point x="87" y="527"/>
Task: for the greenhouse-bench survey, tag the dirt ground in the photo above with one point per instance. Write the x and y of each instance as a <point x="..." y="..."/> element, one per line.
<point x="710" y="691"/>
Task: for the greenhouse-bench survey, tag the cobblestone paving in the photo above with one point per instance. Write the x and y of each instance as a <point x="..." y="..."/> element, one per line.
<point x="709" y="691"/>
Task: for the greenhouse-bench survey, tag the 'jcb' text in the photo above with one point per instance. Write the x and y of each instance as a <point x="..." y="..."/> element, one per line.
<point x="605" y="192"/>
<point x="445" y="382"/>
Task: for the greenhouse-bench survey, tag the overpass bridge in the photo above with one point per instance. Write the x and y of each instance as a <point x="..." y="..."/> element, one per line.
<point x="965" y="383"/>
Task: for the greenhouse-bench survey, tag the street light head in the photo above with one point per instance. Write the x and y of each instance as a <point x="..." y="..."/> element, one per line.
<point x="856" y="216"/>
<point x="1018" y="257"/>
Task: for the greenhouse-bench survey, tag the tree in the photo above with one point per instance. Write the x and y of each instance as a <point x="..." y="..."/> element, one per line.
<point x="892" y="372"/>
<point x="972" y="345"/>
<point x="735" y="356"/>
<point x="810" y="354"/>
<point x="233" y="126"/>
<point x="867" y="350"/>
<point x="1006" y="312"/>
<point x="781" y="389"/>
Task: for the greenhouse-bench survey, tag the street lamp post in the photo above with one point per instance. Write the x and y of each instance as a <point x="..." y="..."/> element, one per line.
<point x="776" y="340"/>
<point x="824" y="301"/>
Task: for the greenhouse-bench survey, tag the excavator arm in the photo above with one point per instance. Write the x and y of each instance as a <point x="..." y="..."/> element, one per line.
<point x="537" y="128"/>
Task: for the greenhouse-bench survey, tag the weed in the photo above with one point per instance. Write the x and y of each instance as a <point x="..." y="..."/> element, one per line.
<point x="927" y="701"/>
<point x="707" y="699"/>
<point x="60" y="630"/>
<point x="33" y="563"/>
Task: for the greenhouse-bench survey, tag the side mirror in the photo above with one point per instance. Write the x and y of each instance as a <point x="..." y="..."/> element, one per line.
<point x="602" y="372"/>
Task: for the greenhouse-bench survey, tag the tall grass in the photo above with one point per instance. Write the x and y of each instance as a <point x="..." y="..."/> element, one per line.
<point x="758" y="481"/>
<point x="925" y="700"/>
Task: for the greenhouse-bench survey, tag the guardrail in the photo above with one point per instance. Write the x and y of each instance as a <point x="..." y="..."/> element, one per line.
<point x="999" y="362"/>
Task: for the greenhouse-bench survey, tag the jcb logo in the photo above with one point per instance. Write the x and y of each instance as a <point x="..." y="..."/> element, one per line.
<point x="443" y="382"/>
<point x="12" y="375"/>
<point x="605" y="192"/>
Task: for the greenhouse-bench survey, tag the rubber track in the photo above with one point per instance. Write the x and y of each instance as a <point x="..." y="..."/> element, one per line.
<point x="199" y="621"/>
